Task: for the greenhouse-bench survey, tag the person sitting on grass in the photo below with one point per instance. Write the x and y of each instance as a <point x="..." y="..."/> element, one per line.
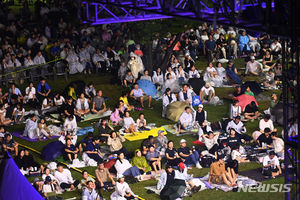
<point x="265" y="139"/>
<point x="266" y="122"/>
<point x="251" y="112"/>
<point x="116" y="117"/>
<point x="123" y="191"/>
<point x="142" y="123"/>
<point x="236" y="155"/>
<point x="188" y="156"/>
<point x="10" y="145"/>
<point x="3" y="119"/>
<point x="90" y="193"/>
<point x="218" y="175"/>
<point x="31" y="128"/>
<point x="150" y="141"/>
<point x="43" y="129"/>
<point x="71" y="152"/>
<point x="186" y="120"/>
<point x="167" y="99"/>
<point x="271" y="166"/>
<point x="161" y="142"/>
<point x="235" y="109"/>
<point x="114" y="142"/>
<point x="18" y="114"/>
<point x="154" y="159"/>
<point x="186" y="95"/>
<point x="211" y="142"/>
<point x="278" y="145"/>
<point x="90" y="91"/>
<point x="85" y="178"/>
<point x="104" y="178"/>
<point x="172" y="156"/>
<point x="129" y="124"/>
<point x="104" y="130"/>
<point x="207" y="93"/>
<point x="253" y="67"/>
<point x="239" y="128"/>
<point x="166" y="179"/>
<point x="129" y="79"/>
<point x="140" y="162"/>
<point x="138" y="95"/>
<point x="70" y="127"/>
<point x="93" y="150"/>
<point x="99" y="105"/>
<point x="49" y="186"/>
<point x="124" y="98"/>
<point x="123" y="167"/>
<point x="65" y="178"/>
<point x="82" y="105"/>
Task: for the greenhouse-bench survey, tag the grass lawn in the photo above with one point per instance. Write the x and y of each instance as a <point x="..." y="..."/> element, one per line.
<point x="154" y="116"/>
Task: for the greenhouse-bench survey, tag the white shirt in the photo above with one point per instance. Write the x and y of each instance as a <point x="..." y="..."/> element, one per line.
<point x="268" y="124"/>
<point x="121" y="167"/>
<point x="276" y="47"/>
<point x="268" y="161"/>
<point x="138" y="122"/>
<point x="159" y="79"/>
<point x="206" y="90"/>
<point x="121" y="189"/>
<point x="127" y="122"/>
<point x="59" y="101"/>
<point x="64" y="176"/>
<point x="39" y="60"/>
<point x="278" y="145"/>
<point x="30" y="92"/>
<point x="18" y="113"/>
<point x="166" y="101"/>
<point x="194" y="74"/>
<point x="146" y="78"/>
<point x="48" y="188"/>
<point x="70" y="125"/>
<point x="172" y="74"/>
<point x="186" y="118"/>
<point x="189" y="95"/>
<point x="235" y="111"/>
<point x="235" y="154"/>
<point x="252" y="66"/>
<point x="209" y="143"/>
<point x="85" y="104"/>
<point x="239" y="128"/>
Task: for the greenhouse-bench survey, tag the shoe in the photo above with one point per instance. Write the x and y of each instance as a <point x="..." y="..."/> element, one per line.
<point x="198" y="166"/>
<point x="151" y="108"/>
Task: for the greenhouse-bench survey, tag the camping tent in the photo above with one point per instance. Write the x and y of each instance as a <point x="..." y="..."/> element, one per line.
<point x="13" y="185"/>
<point x="174" y="110"/>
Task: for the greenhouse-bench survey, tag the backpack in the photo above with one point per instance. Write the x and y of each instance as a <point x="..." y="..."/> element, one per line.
<point x="206" y="161"/>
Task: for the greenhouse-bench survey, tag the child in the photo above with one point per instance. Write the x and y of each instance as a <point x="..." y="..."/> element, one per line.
<point x="141" y="123"/>
<point x="43" y="129"/>
<point x="18" y="114"/>
<point x="129" y="79"/>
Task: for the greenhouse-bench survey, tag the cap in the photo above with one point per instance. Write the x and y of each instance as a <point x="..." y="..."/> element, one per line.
<point x="181" y="165"/>
<point x="200" y="106"/>
<point x="182" y="141"/>
<point x="120" y="176"/>
<point x="36" y="180"/>
<point x="252" y="58"/>
<point x="48" y="179"/>
<point x="160" y="131"/>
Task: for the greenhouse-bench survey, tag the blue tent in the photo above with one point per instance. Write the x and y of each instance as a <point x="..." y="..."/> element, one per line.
<point x="148" y="87"/>
<point x="13" y="185"/>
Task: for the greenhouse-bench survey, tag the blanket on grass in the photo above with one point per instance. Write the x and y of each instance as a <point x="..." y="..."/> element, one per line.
<point x="88" y="117"/>
<point x="171" y="129"/>
<point x="143" y="134"/>
<point x="242" y="181"/>
<point x="256" y="174"/>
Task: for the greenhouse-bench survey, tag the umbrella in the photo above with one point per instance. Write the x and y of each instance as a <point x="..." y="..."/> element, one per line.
<point x="254" y="87"/>
<point x="174" y="110"/>
<point x="196" y="84"/>
<point x="148" y="87"/>
<point x="174" y="190"/>
<point x="244" y="100"/>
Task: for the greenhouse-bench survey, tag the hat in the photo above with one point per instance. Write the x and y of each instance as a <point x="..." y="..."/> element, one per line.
<point x="252" y="58"/>
<point x="48" y="179"/>
<point x="200" y="106"/>
<point x="36" y="180"/>
<point x="181" y="165"/>
<point x="120" y="176"/>
<point x="160" y="131"/>
<point x="182" y="141"/>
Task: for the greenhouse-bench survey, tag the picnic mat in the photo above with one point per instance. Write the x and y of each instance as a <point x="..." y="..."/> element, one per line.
<point x="18" y="135"/>
<point x="256" y="174"/>
<point x="242" y="181"/>
<point x="83" y="131"/>
<point x="88" y="117"/>
<point x="144" y="134"/>
<point x="170" y="128"/>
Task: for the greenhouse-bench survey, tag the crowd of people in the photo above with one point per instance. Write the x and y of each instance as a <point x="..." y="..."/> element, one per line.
<point x="111" y="48"/>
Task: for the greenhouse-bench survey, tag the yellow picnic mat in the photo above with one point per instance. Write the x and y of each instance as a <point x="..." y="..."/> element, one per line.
<point x="144" y="134"/>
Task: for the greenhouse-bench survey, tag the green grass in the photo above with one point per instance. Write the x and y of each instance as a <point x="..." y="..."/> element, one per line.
<point x="154" y="116"/>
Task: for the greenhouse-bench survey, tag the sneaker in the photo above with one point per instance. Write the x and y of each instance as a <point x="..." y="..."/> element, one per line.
<point x="198" y="166"/>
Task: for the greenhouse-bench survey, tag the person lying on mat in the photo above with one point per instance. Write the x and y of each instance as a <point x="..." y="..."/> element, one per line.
<point x="218" y="175"/>
<point x="186" y="120"/>
<point x="138" y="95"/>
<point x="271" y="165"/>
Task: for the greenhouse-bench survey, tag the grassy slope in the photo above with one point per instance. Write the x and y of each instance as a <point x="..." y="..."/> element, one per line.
<point x="214" y="113"/>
